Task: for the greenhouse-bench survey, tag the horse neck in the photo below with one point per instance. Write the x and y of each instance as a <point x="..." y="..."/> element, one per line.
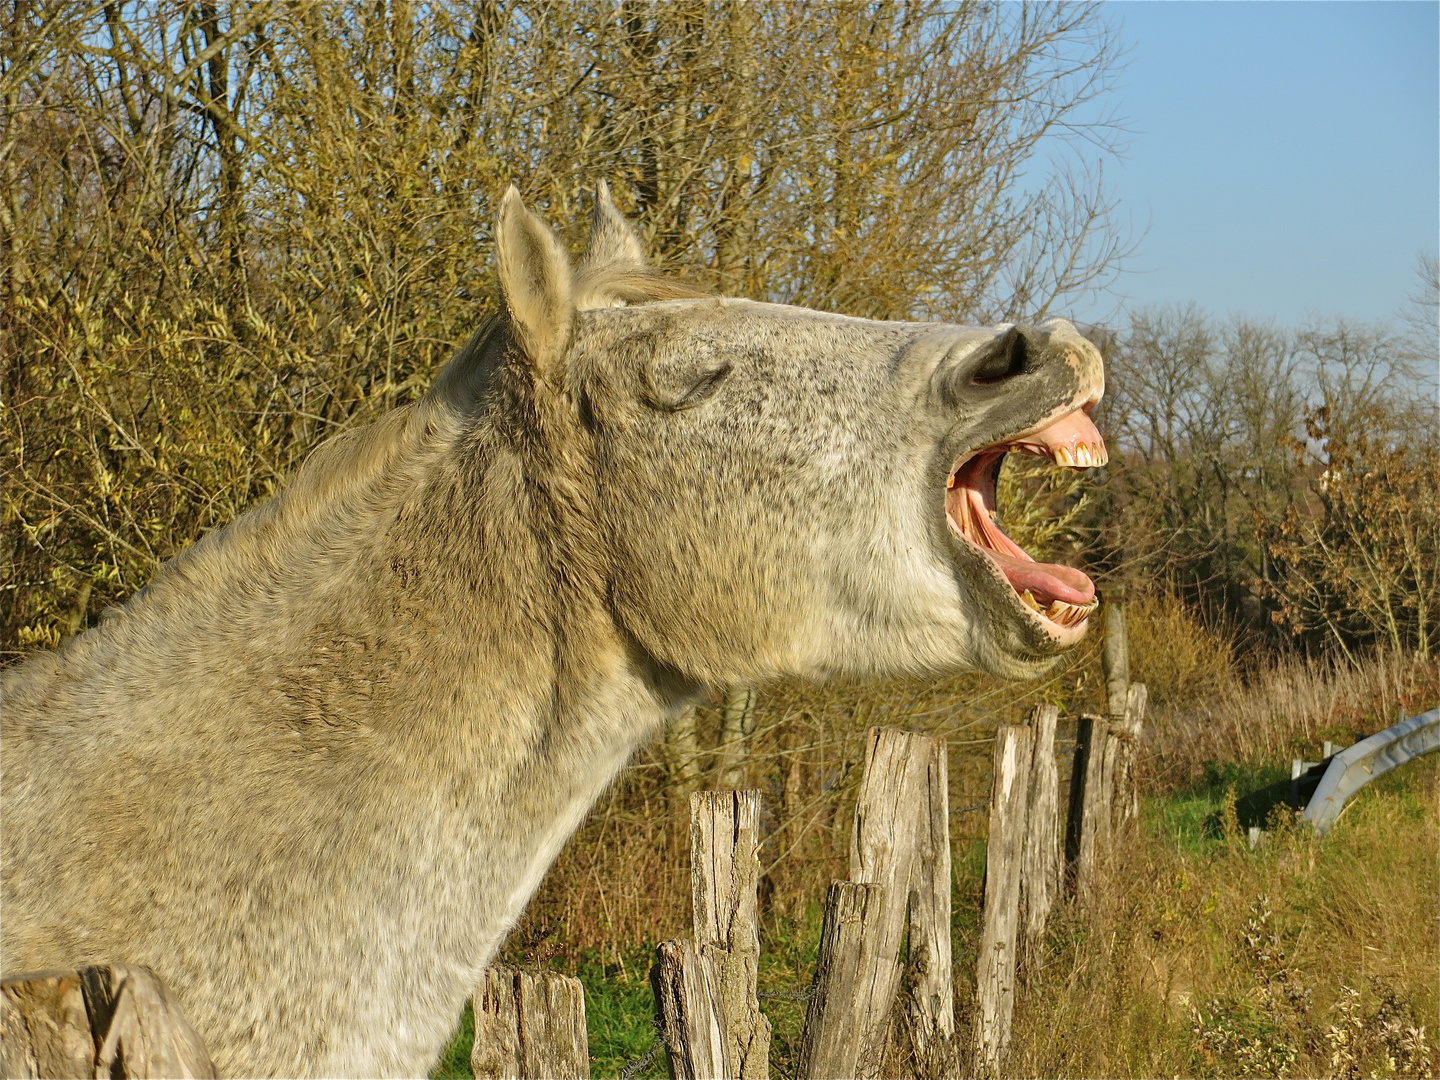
<point x="410" y="580"/>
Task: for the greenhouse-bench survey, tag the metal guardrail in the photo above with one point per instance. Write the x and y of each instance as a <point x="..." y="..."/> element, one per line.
<point x="1352" y="769"/>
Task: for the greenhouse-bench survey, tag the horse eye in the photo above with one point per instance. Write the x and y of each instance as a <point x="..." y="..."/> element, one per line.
<point x="698" y="391"/>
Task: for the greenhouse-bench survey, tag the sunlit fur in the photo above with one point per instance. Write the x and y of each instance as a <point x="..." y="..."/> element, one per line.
<point x="313" y="772"/>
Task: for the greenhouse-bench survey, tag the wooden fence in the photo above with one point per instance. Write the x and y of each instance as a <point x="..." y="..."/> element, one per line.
<point x="882" y="1001"/>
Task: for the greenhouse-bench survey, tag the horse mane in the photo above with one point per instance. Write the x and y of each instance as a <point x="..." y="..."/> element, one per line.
<point x="620" y="284"/>
<point x="348" y="472"/>
<point x="355" y="457"/>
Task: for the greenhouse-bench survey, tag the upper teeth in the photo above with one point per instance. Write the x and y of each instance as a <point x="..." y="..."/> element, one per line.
<point x="1082" y="456"/>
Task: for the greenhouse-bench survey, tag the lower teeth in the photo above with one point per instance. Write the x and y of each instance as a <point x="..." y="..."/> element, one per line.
<point x="1058" y="611"/>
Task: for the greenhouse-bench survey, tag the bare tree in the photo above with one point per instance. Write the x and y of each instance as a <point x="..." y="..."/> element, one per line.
<point x="1222" y="439"/>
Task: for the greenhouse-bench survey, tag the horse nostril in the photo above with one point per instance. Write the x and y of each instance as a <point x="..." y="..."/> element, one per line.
<point x="1005" y="359"/>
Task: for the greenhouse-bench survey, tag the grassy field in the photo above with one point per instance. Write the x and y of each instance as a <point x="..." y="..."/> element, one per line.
<point x="1304" y="957"/>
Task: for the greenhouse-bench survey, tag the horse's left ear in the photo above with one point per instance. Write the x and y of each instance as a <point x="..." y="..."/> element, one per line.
<point x="535" y="279"/>
<point x="612" y="241"/>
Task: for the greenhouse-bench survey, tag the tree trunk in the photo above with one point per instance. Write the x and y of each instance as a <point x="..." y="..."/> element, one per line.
<point x="737" y="723"/>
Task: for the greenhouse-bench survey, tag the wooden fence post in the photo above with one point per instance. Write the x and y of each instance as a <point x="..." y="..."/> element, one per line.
<point x="1109" y="769"/>
<point x="901" y="842"/>
<point x="529" y="1024"/>
<point x="725" y="879"/>
<point x="1040" y="872"/>
<point x="707" y="991"/>
<point x="835" y="1030"/>
<point x="1115" y="654"/>
<point x="930" y="1017"/>
<point x="1125" y="708"/>
<point x="995" y="974"/>
<point x="111" y="1020"/>
<point x="1127" y="730"/>
<point x="688" y="999"/>
<point x="1088" y="823"/>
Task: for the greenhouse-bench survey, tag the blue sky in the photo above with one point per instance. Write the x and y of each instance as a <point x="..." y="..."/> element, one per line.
<point x="1283" y="157"/>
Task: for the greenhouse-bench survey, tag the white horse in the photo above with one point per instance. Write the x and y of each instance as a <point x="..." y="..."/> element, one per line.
<point x="314" y="771"/>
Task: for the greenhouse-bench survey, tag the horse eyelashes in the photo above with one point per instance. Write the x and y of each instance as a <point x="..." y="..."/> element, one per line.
<point x="701" y="389"/>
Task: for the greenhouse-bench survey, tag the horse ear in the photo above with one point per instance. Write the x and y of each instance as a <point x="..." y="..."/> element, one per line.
<point x="612" y="241"/>
<point x="535" y="280"/>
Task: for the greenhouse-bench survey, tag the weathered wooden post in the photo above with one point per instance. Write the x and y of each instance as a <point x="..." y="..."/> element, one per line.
<point x="930" y="1017"/>
<point x="995" y="970"/>
<point x="1125" y="713"/>
<point x="1126" y="731"/>
<point x="901" y="842"/>
<point x="1040" y="871"/>
<point x="1115" y="652"/>
<point x="688" y="999"/>
<point x="835" y="1028"/>
<point x="707" y="993"/>
<point x="529" y="1025"/>
<point x="111" y="1021"/>
<point x="725" y="879"/>
<point x="1109" y="783"/>
<point x="1088" y="824"/>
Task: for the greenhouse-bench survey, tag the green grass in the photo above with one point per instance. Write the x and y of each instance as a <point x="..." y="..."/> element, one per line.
<point x="620" y="1014"/>
<point x="619" y="1011"/>
<point x="454" y="1063"/>
<point x="1190" y="818"/>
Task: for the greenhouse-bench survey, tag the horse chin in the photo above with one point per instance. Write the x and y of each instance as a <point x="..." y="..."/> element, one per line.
<point x="997" y="659"/>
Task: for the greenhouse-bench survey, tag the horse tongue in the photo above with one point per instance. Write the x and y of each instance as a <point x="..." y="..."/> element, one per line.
<point x="1046" y="581"/>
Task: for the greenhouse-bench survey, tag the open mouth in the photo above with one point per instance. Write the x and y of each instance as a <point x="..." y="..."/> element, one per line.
<point x="1056" y="594"/>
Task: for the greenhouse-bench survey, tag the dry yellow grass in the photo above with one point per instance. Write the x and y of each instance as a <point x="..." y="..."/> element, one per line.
<point x="1287" y="709"/>
<point x="1306" y="957"/>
